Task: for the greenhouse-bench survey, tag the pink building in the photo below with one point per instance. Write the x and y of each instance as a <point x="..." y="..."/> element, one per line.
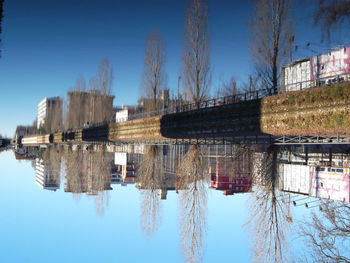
<point x="330" y="183"/>
<point x="232" y="176"/>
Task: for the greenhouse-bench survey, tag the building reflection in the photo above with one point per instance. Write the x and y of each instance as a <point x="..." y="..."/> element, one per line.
<point x="45" y="177"/>
<point x="274" y="178"/>
<point x="232" y="172"/>
<point x="318" y="172"/>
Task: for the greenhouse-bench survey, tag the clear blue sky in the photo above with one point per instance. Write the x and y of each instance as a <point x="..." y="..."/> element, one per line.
<point x="46" y="45"/>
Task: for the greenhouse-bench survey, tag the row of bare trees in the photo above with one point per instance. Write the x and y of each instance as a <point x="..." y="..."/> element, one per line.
<point x="89" y="172"/>
<point x="92" y="104"/>
<point x="271" y="33"/>
<point x="195" y="57"/>
<point x="271" y="39"/>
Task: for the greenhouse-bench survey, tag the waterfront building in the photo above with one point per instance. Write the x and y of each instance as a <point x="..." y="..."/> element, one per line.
<point x="50" y="114"/>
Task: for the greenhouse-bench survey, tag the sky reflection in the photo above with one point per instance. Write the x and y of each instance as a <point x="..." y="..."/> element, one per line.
<point x="159" y="205"/>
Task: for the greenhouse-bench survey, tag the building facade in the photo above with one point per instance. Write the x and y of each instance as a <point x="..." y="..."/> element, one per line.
<point x="320" y="70"/>
<point x="50" y="114"/>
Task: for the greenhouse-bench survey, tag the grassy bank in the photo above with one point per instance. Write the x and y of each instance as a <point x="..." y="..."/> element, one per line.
<point x="323" y="110"/>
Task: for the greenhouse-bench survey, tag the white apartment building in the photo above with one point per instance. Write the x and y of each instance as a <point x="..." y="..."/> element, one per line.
<point x="45" y="109"/>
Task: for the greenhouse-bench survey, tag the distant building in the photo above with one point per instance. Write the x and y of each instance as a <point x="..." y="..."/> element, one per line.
<point x="123" y="113"/>
<point x="22" y="131"/>
<point x="50" y="113"/>
<point x="163" y="102"/>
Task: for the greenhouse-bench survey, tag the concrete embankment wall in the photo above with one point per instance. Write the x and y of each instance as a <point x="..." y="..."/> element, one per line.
<point x="140" y="129"/>
<point x="318" y="111"/>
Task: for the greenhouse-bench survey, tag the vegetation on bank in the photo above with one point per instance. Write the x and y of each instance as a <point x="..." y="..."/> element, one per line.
<point x="324" y="110"/>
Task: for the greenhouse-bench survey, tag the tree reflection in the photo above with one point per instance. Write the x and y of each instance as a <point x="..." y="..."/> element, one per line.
<point x="328" y="232"/>
<point x="149" y="179"/>
<point x="88" y="171"/>
<point x="268" y="221"/>
<point x="193" y="204"/>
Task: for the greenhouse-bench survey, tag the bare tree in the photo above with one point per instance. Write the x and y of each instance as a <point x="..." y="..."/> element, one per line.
<point x="253" y="84"/>
<point x="89" y="171"/>
<point x="271" y="29"/>
<point x="151" y="213"/>
<point x="331" y="14"/>
<point x="103" y="85"/>
<point x="227" y="88"/>
<point x="104" y="79"/>
<point x="328" y="233"/>
<point x="195" y="57"/>
<point x="95" y="105"/>
<point x="269" y="217"/>
<point x="154" y="77"/>
<point x="150" y="177"/>
<point x="193" y="204"/>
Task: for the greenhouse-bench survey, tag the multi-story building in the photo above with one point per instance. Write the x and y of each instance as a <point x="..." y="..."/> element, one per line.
<point x="50" y="113"/>
<point x="46" y="178"/>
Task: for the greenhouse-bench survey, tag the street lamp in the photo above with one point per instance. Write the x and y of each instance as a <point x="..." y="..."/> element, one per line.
<point x="178" y="91"/>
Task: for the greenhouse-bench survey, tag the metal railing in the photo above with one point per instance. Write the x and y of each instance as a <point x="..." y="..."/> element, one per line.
<point x="314" y="83"/>
<point x="177" y="106"/>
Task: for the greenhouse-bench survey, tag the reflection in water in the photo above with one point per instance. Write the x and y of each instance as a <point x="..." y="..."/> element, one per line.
<point x="193" y="204"/>
<point x="268" y="219"/>
<point x="231" y="171"/>
<point x="151" y="214"/>
<point x="150" y="177"/>
<point x="328" y="233"/>
<point x="48" y="168"/>
<point x="89" y="172"/>
<point x="273" y="177"/>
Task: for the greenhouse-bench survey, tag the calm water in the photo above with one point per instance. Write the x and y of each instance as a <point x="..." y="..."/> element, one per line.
<point x="174" y="204"/>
